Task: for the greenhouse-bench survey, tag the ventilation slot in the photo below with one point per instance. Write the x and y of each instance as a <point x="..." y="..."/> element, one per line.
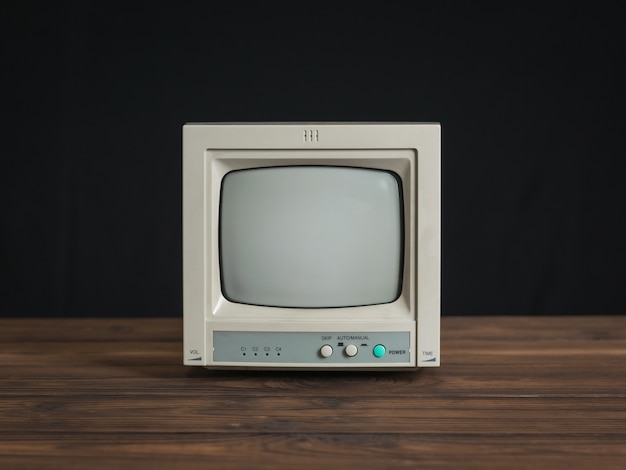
<point x="311" y="135"/>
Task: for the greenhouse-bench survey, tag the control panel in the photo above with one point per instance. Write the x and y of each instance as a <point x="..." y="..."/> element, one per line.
<point x="316" y="348"/>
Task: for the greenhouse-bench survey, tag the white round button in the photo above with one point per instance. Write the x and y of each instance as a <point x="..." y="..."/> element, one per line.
<point x="351" y="350"/>
<point x="326" y="350"/>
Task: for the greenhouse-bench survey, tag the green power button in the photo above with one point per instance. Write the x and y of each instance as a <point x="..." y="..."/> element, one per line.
<point x="379" y="350"/>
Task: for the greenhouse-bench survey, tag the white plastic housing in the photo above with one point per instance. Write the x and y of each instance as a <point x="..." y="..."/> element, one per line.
<point x="400" y="242"/>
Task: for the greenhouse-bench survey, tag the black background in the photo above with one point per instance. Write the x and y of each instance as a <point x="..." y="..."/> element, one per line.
<point x="531" y="101"/>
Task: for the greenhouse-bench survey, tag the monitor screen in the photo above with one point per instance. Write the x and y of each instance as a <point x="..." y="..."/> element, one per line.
<point x="311" y="236"/>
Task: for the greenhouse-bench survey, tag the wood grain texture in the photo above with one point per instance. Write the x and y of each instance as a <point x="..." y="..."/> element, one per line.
<point x="512" y="392"/>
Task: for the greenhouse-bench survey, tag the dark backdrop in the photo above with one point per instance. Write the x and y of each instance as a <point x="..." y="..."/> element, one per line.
<point x="531" y="102"/>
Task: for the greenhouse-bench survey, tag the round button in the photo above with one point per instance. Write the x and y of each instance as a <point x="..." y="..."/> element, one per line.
<point x="379" y="350"/>
<point x="326" y="350"/>
<point x="351" y="350"/>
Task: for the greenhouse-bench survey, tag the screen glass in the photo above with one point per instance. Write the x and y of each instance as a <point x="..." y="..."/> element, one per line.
<point x="311" y="236"/>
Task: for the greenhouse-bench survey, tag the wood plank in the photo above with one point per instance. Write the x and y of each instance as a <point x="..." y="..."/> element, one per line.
<point x="314" y="451"/>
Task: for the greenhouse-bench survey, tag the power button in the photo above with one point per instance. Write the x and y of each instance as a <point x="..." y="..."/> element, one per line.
<point x="379" y="350"/>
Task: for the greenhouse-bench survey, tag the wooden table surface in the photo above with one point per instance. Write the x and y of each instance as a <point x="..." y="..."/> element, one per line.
<point x="512" y="392"/>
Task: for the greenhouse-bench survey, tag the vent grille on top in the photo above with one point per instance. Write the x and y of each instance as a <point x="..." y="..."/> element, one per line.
<point x="311" y="135"/>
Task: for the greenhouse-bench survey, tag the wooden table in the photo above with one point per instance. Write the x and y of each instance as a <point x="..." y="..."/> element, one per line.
<point x="529" y="392"/>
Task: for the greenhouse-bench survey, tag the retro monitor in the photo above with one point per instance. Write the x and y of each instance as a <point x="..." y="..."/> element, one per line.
<point x="311" y="245"/>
